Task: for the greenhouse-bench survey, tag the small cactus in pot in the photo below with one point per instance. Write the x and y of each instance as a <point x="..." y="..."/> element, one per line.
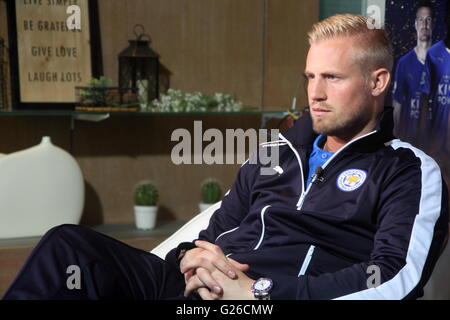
<point x="146" y="194"/>
<point x="145" y="198"/>
<point x="211" y="193"/>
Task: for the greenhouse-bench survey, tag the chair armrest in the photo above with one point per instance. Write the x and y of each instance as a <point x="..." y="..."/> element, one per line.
<point x="188" y="232"/>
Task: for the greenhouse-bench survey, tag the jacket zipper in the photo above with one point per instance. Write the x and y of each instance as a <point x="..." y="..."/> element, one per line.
<point x="298" y="160"/>
<point x="305" y="192"/>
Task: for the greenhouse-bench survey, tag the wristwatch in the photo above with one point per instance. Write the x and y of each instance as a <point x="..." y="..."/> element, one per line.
<point x="261" y="288"/>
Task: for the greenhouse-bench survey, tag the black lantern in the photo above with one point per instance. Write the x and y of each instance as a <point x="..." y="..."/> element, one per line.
<point x="139" y="68"/>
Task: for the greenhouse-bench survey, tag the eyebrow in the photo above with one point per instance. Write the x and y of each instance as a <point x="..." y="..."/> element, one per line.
<point x="326" y="73"/>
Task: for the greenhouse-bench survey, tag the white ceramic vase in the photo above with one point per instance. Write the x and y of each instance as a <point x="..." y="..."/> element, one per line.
<point x="145" y="217"/>
<point x="40" y="187"/>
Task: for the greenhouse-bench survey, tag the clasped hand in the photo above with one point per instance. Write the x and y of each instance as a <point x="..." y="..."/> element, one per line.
<point x="214" y="276"/>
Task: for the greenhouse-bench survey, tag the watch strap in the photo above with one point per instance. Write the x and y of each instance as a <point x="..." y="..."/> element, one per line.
<point x="265" y="296"/>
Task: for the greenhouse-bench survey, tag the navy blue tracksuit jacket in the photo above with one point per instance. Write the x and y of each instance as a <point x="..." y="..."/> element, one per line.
<point x="379" y="204"/>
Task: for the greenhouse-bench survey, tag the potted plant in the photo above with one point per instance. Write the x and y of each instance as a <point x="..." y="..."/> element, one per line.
<point x="145" y="209"/>
<point x="210" y="194"/>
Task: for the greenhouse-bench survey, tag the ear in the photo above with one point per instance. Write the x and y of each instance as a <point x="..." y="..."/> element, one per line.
<point x="379" y="81"/>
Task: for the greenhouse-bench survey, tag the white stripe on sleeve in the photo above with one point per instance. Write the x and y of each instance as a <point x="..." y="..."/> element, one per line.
<point x="421" y="236"/>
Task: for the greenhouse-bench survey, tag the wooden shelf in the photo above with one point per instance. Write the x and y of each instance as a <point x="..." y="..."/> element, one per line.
<point x="37" y="112"/>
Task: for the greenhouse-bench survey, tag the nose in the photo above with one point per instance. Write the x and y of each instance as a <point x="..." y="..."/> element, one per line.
<point x="425" y="22"/>
<point x="316" y="90"/>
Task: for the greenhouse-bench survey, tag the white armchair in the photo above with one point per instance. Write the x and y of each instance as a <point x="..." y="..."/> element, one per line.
<point x="188" y="232"/>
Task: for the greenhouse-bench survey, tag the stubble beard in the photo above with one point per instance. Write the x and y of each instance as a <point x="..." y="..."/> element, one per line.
<point x="338" y="126"/>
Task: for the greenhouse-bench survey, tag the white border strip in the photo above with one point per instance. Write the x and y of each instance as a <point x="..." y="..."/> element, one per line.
<point x="306" y="261"/>
<point x="263" y="211"/>
<point x="224" y="233"/>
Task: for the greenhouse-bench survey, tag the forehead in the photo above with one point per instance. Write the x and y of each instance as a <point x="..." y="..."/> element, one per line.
<point x="424" y="12"/>
<point x="333" y="54"/>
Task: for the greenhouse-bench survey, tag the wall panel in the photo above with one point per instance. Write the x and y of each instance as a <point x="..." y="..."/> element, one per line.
<point x="287" y="23"/>
<point x="208" y="46"/>
<point x="116" y="154"/>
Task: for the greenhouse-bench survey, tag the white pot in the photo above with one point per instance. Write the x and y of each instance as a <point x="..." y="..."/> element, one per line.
<point x="145" y="217"/>
<point x="203" y="206"/>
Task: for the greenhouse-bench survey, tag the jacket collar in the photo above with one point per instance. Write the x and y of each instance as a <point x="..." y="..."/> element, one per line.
<point x="302" y="134"/>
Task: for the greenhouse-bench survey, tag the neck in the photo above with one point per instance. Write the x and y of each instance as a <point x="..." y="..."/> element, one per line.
<point x="423" y="45"/>
<point x="335" y="143"/>
<point x="421" y="49"/>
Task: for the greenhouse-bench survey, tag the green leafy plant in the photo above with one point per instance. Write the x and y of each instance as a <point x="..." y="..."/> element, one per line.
<point x="211" y="191"/>
<point x="146" y="194"/>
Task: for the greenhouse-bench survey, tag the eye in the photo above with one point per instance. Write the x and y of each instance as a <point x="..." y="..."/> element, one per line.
<point x="331" y="77"/>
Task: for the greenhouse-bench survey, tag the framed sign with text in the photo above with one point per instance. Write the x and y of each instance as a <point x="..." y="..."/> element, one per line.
<point x="54" y="47"/>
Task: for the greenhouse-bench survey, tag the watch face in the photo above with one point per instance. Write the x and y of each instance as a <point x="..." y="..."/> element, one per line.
<point x="263" y="284"/>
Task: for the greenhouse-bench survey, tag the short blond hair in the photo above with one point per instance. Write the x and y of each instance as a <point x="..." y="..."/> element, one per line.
<point x="375" y="48"/>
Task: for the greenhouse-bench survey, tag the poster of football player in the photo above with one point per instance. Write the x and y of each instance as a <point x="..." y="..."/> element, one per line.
<point x="421" y="86"/>
<point x="436" y="87"/>
<point x="421" y="91"/>
<point x="407" y="92"/>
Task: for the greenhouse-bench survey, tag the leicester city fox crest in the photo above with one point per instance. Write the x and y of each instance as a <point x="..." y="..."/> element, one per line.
<point x="351" y="179"/>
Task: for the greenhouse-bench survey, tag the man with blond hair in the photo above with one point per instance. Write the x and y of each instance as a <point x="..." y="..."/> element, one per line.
<point x="354" y="214"/>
